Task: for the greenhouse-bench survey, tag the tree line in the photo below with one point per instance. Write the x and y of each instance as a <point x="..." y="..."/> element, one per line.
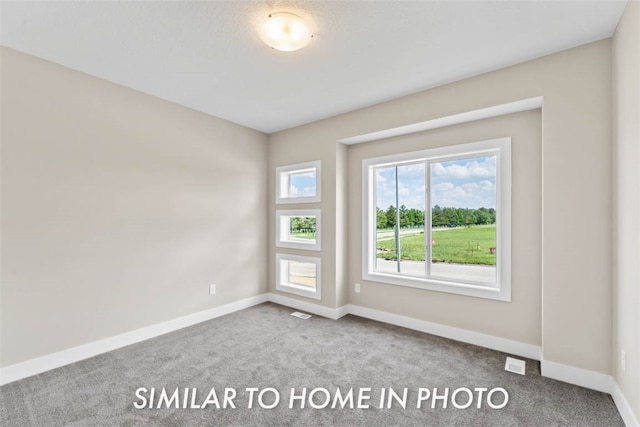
<point x="306" y="224"/>
<point x="440" y="217"/>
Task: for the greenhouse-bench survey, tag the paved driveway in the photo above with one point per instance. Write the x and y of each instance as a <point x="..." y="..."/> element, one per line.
<point x="478" y="273"/>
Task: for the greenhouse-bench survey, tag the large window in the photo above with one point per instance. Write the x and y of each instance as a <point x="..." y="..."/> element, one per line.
<point x="439" y="219"/>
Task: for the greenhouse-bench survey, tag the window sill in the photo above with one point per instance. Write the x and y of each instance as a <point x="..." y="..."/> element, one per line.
<point x="292" y="288"/>
<point x="498" y="292"/>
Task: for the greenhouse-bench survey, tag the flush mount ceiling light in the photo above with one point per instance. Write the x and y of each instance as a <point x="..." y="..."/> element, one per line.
<point x="285" y="31"/>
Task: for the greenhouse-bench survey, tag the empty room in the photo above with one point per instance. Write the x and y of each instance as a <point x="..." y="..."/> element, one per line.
<point x="336" y="213"/>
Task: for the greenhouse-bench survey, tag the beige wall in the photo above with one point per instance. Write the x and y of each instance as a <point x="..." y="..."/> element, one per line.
<point x="118" y="209"/>
<point x="576" y="316"/>
<point x="343" y="261"/>
<point x="626" y="105"/>
<point x="294" y="147"/>
<point x="518" y="320"/>
<point x="299" y="145"/>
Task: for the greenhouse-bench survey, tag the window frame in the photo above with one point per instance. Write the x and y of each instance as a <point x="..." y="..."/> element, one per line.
<point x="282" y="178"/>
<point x="282" y="283"/>
<point x="299" y="243"/>
<point x="501" y="290"/>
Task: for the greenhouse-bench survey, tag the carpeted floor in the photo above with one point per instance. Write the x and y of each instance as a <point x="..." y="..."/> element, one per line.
<point x="264" y="347"/>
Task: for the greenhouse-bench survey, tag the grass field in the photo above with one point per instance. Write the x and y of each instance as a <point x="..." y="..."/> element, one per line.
<point x="463" y="245"/>
<point x="302" y="235"/>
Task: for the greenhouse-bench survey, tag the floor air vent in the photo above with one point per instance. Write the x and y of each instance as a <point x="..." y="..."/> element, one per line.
<point x="304" y="316"/>
<point x="515" y="365"/>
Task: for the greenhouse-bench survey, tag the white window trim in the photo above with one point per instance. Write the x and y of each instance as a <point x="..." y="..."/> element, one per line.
<point x="501" y="147"/>
<point x="298" y="243"/>
<point x="282" y="283"/>
<point x="282" y="173"/>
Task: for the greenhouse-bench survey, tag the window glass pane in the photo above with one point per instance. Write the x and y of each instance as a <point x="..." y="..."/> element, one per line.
<point x="299" y="229"/>
<point x="400" y="198"/>
<point x="301" y="273"/>
<point x="302" y="228"/>
<point x="385" y="190"/>
<point x="463" y="219"/>
<point x="302" y="184"/>
<point x="298" y="183"/>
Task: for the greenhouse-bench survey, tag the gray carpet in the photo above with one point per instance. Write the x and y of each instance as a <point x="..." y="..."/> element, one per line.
<point x="264" y="347"/>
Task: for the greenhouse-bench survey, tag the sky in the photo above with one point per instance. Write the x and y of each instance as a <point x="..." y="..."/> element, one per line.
<point x="302" y="184"/>
<point x="467" y="183"/>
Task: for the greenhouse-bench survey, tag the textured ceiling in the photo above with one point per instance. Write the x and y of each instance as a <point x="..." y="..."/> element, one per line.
<point x="208" y="55"/>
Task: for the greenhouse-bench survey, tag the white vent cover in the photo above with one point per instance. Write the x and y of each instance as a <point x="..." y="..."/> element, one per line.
<point x="304" y="316"/>
<point x="515" y="365"/>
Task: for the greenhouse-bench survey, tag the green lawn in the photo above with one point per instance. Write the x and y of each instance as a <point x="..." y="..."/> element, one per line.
<point x="302" y="235"/>
<point x="463" y="245"/>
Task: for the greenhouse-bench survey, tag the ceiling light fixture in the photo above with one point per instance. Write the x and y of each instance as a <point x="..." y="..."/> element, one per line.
<point x="285" y="31"/>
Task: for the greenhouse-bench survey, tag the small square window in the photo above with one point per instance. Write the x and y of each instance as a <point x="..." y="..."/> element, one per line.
<point x="298" y="229"/>
<point x="298" y="275"/>
<point x="299" y="183"/>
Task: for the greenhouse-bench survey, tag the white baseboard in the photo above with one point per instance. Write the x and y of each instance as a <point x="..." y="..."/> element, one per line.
<point x="629" y="418"/>
<point x="317" y="309"/>
<point x="342" y="311"/>
<point x="55" y="360"/>
<point x="38" y="365"/>
<point x="489" y="341"/>
<point x="577" y="376"/>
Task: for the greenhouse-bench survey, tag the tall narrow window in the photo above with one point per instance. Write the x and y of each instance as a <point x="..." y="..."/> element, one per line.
<point x="439" y="219"/>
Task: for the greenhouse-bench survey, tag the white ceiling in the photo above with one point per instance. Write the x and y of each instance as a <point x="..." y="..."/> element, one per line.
<point x="207" y="55"/>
